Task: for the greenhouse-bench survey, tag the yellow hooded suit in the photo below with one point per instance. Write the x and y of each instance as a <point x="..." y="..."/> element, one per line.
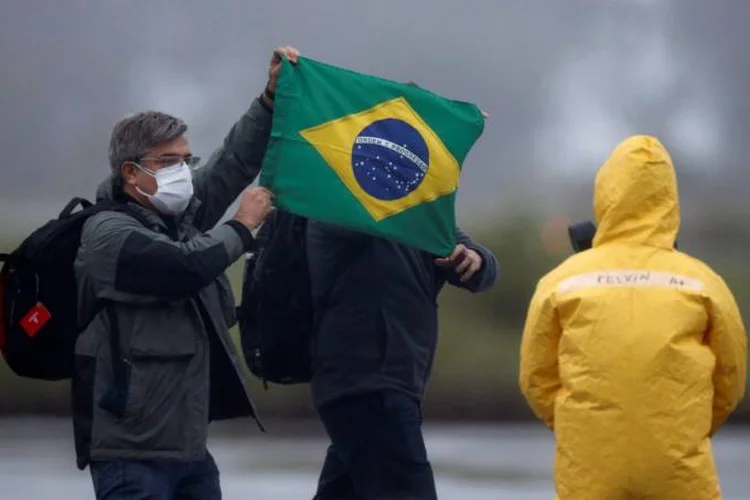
<point x="634" y="353"/>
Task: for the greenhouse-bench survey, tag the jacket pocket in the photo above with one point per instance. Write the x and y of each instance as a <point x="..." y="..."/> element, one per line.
<point x="116" y="397"/>
<point x="166" y="393"/>
<point x="167" y="330"/>
<point x="165" y="404"/>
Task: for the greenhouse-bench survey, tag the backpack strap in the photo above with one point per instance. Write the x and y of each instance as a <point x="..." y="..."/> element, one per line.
<point x="125" y="208"/>
<point x="115" y="399"/>
<point x="103" y="206"/>
<point x="72" y="204"/>
<point x="118" y="361"/>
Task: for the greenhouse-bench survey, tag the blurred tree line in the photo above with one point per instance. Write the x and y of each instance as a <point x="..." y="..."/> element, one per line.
<point x="475" y="374"/>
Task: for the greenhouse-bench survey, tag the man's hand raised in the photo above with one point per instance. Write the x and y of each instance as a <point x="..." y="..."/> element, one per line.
<point x="274" y="68"/>
<point x="255" y="205"/>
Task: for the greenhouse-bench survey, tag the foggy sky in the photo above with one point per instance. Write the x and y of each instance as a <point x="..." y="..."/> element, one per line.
<point x="563" y="81"/>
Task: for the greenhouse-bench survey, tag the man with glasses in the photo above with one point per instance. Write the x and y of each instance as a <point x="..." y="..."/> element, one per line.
<point x="152" y="284"/>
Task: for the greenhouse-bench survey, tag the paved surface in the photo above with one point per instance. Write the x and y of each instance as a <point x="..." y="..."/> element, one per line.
<point x="471" y="462"/>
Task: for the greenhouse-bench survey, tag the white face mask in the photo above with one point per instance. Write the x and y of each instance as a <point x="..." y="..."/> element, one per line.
<point x="174" y="188"/>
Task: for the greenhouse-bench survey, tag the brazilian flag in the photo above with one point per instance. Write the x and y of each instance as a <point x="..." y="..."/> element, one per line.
<point x="368" y="154"/>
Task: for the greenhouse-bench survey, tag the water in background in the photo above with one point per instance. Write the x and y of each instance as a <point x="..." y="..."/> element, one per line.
<point x="471" y="462"/>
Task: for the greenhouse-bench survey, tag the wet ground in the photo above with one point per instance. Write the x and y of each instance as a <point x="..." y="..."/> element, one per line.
<point x="471" y="462"/>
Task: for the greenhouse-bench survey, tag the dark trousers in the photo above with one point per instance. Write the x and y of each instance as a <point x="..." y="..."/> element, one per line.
<point x="377" y="451"/>
<point x="156" y="480"/>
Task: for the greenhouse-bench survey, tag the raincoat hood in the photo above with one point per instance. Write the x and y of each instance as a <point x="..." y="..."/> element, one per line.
<point x="635" y="195"/>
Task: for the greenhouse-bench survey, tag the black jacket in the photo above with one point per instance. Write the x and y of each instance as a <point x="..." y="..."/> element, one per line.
<point x="377" y="302"/>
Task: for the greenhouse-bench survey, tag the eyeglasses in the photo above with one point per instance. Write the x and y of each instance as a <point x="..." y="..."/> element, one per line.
<point x="169" y="161"/>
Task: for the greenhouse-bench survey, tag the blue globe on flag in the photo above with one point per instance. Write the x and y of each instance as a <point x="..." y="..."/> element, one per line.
<point x="390" y="159"/>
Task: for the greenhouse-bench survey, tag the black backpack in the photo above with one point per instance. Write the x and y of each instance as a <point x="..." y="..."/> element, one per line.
<point x="38" y="294"/>
<point x="276" y="315"/>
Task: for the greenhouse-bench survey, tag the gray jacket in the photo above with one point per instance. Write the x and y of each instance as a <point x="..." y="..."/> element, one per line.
<point x="174" y="307"/>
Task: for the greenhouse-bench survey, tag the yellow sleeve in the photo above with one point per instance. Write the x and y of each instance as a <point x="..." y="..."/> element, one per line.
<point x="728" y="341"/>
<point x="539" y="377"/>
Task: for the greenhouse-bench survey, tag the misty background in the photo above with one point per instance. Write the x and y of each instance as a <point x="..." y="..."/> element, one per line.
<point x="563" y="81"/>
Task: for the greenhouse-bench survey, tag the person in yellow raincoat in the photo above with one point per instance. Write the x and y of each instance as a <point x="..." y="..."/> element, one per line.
<point x="634" y="353"/>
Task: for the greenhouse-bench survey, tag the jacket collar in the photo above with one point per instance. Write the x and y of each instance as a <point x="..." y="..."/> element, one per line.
<point x="105" y="191"/>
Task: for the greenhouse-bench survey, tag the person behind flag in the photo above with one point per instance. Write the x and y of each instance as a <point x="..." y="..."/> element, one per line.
<point x="633" y="352"/>
<point x="373" y="166"/>
<point x="373" y="354"/>
<point x="141" y="418"/>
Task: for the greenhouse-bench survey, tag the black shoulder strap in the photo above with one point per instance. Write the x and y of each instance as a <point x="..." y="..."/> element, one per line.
<point x="115" y="399"/>
<point x="116" y="348"/>
<point x="117" y="359"/>
<point x="102" y="206"/>
<point x="72" y="204"/>
<point x="117" y="206"/>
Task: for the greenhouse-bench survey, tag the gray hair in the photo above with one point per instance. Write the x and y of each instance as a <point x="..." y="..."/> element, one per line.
<point x="135" y="135"/>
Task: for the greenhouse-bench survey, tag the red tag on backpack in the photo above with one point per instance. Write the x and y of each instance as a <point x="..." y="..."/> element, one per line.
<point x="35" y="319"/>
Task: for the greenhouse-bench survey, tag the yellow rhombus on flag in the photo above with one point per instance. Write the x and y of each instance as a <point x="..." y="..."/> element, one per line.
<point x="337" y="139"/>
